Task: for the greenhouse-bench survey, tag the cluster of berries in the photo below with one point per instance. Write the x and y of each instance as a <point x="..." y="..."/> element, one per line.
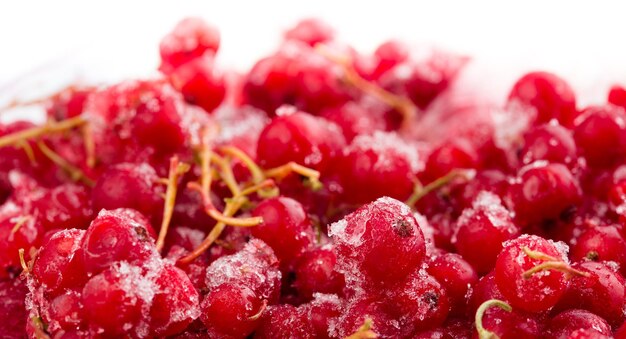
<point x="326" y="193"/>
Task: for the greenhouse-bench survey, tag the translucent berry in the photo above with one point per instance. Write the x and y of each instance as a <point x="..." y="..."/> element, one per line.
<point x="191" y="38"/>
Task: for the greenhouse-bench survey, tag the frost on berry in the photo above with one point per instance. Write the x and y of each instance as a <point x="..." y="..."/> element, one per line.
<point x="379" y="242"/>
<point x="255" y="267"/>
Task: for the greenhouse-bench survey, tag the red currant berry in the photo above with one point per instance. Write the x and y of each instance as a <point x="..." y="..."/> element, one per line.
<point x="600" y="134"/>
<point x="190" y="39"/>
<point x="381" y="240"/>
<point x="531" y="273"/>
<point x="286" y="227"/>
<point x="311" y="32"/>
<point x="231" y="311"/>
<point x="548" y="94"/>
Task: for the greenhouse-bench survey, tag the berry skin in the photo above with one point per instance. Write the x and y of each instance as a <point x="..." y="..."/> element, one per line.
<point x="17" y="230"/>
<point x="200" y="83"/>
<point x="255" y="267"/>
<point x="381" y="240"/>
<point x="550" y="142"/>
<point x="600" y="135"/>
<point x="114" y="236"/>
<point x="566" y="323"/>
<point x="286" y="227"/>
<point x="157" y="123"/>
<point x="311" y="32"/>
<point x="530" y="292"/>
<point x="13" y="308"/>
<point x="617" y="96"/>
<point x="421" y="302"/>
<point x="602" y="292"/>
<point x="59" y="261"/>
<point x="544" y="191"/>
<point x="455" y="275"/>
<point x="354" y="119"/>
<point x="511" y="324"/>
<point x="307" y="140"/>
<point x="378" y="165"/>
<point x="190" y="39"/>
<point x="175" y="304"/>
<point x="65" y="206"/>
<point x="129" y="185"/>
<point x="323" y="309"/>
<point x="113" y="299"/>
<point x="231" y="311"/>
<point x="454" y="154"/>
<point x="66" y="312"/>
<point x="315" y="272"/>
<point x="601" y="244"/>
<point x="284" y="321"/>
<point x="482" y="229"/>
<point x="549" y="95"/>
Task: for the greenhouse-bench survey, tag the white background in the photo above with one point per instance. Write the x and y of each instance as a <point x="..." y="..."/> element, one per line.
<point x="65" y="41"/>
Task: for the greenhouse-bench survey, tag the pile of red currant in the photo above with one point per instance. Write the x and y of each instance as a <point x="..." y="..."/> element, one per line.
<point x="326" y="193"/>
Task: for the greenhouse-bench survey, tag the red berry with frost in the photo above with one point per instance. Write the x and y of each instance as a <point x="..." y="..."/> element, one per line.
<point x="302" y="138"/>
<point x="18" y="230"/>
<point x="59" y="262"/>
<point x="456" y="276"/>
<point x="354" y="119"/>
<point x="255" y="267"/>
<point x="231" y="311"/>
<point x="510" y="324"/>
<point x="482" y="229"/>
<point x="13" y="309"/>
<point x="378" y="165"/>
<point x="284" y="321"/>
<point x="113" y="300"/>
<point x="380" y="242"/>
<point x="532" y="273"/>
<point x="548" y="95"/>
<point x="286" y="227"/>
<point x="454" y="154"/>
<point x="315" y="272"/>
<point x="190" y="39"/>
<point x="421" y="302"/>
<point x="320" y="311"/>
<point x="603" y="243"/>
<point x="600" y="135"/>
<point x="551" y="142"/>
<point x="544" y="191"/>
<point x="115" y="236"/>
<point x="567" y="322"/>
<point x="65" y="206"/>
<point x="602" y="292"/>
<point x="66" y="312"/>
<point x="175" y="303"/>
<point x="129" y="185"/>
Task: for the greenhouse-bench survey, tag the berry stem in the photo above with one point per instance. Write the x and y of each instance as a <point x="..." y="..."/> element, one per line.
<point x="23" y="261"/>
<point x="51" y="127"/>
<point x="260" y="312"/>
<point x="352" y="77"/>
<point x="364" y="331"/>
<point x="538" y="255"/>
<point x="255" y="170"/>
<point x="74" y="172"/>
<point x="478" y="319"/>
<point x="421" y="191"/>
<point x="291" y="167"/>
<point x="554" y="265"/>
<point x="90" y="145"/>
<point x="176" y="169"/>
<point x="231" y="208"/>
<point x="226" y="173"/>
<point x="19" y="222"/>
